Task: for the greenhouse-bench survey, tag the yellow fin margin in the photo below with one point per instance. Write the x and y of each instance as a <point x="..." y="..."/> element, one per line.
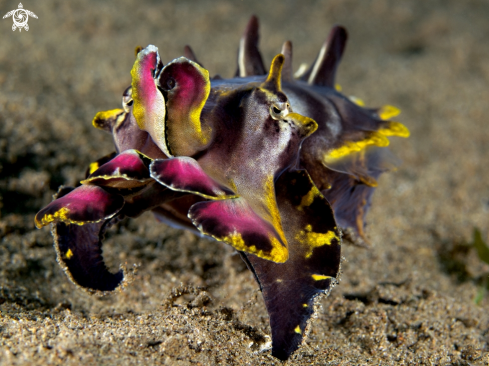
<point x="61" y="214"/>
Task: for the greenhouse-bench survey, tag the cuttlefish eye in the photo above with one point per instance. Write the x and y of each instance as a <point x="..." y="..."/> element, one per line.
<point x="127" y="100"/>
<point x="169" y="84"/>
<point x="279" y="110"/>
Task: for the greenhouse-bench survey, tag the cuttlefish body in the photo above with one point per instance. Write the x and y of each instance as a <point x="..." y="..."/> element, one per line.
<point x="272" y="165"/>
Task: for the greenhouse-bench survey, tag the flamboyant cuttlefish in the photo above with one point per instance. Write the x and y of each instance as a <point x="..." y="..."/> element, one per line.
<point x="279" y="167"/>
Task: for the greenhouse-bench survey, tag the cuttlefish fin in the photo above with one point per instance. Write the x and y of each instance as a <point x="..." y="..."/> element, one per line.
<point x="290" y="289"/>
<point x="234" y="222"/>
<point x="352" y="181"/>
<point x="250" y="62"/>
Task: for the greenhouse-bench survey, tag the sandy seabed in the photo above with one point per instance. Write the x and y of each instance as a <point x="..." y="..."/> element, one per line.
<point x="408" y="300"/>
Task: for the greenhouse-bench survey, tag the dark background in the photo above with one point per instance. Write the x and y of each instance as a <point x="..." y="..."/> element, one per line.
<point x="410" y="297"/>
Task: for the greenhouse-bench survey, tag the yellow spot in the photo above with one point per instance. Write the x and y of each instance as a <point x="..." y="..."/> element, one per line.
<point x="69" y="254"/>
<point x="316" y="277"/>
<point x="279" y="253"/>
<point x="357" y="101"/>
<point x="93" y="167"/>
<point x="61" y="214"/>
<point x="314" y="240"/>
<point x="338" y="87"/>
<point x="388" y="112"/>
<point x="305" y="305"/>
<point x="307" y="199"/>
<point x="102" y="117"/>
<point x="395" y="129"/>
<point x="375" y="138"/>
<point x="298" y="330"/>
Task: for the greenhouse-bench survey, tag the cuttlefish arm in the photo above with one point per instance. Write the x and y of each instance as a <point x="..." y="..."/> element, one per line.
<point x="120" y="187"/>
<point x="234" y="222"/>
<point x="168" y="102"/>
<point x="129" y="169"/>
<point x="149" y="104"/>
<point x="186" y="87"/>
<point x="226" y="217"/>
<point x="78" y="217"/>
<point x="122" y="125"/>
<point x="184" y="174"/>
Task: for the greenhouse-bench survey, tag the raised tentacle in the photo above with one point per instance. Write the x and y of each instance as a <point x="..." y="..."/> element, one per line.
<point x="250" y="62"/>
<point x="189" y="53"/>
<point x="323" y="71"/>
<point x="274" y="78"/>
<point x="287" y="71"/>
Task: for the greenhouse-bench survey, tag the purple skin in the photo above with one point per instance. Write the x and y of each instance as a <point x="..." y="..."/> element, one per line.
<point x="238" y="160"/>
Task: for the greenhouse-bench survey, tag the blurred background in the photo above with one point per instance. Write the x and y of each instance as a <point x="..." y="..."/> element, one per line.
<point x="417" y="295"/>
